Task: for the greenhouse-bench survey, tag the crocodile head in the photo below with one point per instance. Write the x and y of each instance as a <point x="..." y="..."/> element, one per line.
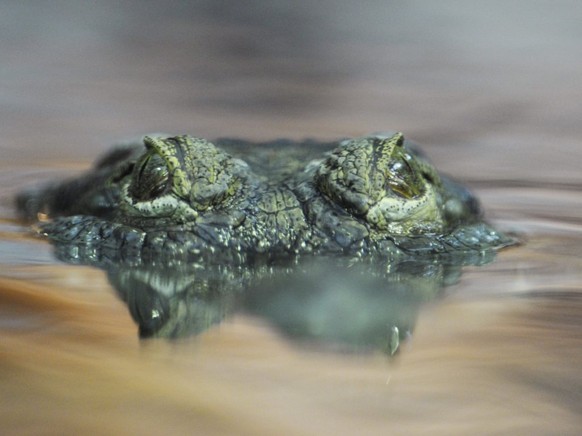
<point x="184" y="196"/>
<point x="381" y="181"/>
<point x="180" y="178"/>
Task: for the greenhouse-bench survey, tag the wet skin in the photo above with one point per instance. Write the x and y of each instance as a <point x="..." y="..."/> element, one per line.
<point x="184" y="197"/>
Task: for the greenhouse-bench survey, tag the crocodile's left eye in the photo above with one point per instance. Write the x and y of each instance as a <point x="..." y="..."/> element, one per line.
<point x="150" y="178"/>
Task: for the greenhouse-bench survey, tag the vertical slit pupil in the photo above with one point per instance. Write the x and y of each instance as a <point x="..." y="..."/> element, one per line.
<point x="403" y="180"/>
<point x="150" y="178"/>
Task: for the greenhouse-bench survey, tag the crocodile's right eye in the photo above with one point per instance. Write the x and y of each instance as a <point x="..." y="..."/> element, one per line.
<point x="150" y="178"/>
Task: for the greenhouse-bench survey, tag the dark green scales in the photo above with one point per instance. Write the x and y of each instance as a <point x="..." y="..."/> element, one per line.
<point x="183" y="198"/>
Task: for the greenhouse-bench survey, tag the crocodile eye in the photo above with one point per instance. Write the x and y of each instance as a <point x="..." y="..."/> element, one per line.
<point x="402" y="180"/>
<point x="150" y="178"/>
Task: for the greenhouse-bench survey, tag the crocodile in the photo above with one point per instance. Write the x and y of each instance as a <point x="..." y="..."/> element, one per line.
<point x="182" y="198"/>
<point x="306" y="235"/>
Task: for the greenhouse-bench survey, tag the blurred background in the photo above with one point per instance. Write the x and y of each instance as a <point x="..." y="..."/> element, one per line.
<point x="491" y="90"/>
<point x="79" y="75"/>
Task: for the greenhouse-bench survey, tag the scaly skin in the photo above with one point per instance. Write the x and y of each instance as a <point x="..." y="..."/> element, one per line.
<point x="185" y="198"/>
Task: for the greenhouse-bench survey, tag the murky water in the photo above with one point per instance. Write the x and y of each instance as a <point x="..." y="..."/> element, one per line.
<point x="493" y="94"/>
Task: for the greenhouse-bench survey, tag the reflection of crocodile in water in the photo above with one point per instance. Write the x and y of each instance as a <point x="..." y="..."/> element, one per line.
<point x="335" y="242"/>
<point x="348" y="304"/>
<point x="184" y="198"/>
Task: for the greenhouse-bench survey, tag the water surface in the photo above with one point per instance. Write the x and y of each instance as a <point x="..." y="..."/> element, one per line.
<point x="492" y="92"/>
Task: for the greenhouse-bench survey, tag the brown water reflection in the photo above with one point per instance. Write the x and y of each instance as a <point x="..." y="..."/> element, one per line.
<point x="478" y="363"/>
<point x="492" y="91"/>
